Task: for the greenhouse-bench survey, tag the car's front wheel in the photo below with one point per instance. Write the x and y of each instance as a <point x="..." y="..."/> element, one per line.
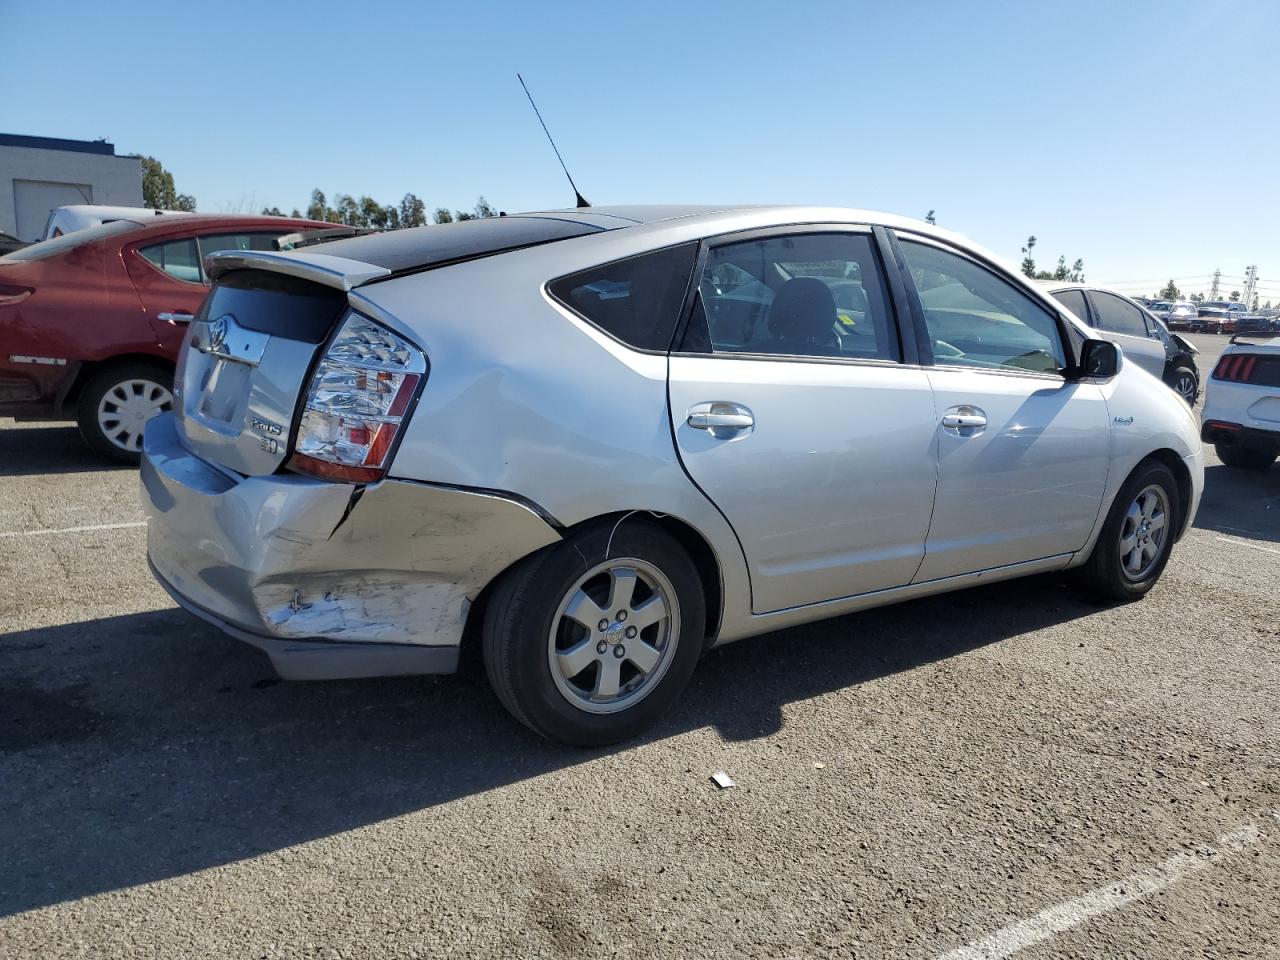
<point x="1136" y="538"/>
<point x="1244" y="457"/>
<point x="116" y="404"/>
<point x="590" y="641"/>
<point x="1185" y="384"/>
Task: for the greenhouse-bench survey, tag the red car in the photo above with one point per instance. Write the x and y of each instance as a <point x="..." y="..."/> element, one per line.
<point x="91" y="322"/>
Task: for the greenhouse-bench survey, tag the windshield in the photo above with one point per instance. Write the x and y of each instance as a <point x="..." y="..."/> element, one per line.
<point x="69" y="241"/>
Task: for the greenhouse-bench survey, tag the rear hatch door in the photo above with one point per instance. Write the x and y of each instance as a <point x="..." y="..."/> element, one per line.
<point x="248" y="353"/>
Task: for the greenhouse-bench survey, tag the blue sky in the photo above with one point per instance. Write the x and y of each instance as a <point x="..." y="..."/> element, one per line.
<point x="1142" y="137"/>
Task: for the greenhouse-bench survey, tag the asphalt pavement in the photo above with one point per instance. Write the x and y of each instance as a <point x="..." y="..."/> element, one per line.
<point x="1007" y="770"/>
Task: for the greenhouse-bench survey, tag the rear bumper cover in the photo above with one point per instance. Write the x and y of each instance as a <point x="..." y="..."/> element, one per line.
<point x="1225" y="431"/>
<point x="332" y="580"/>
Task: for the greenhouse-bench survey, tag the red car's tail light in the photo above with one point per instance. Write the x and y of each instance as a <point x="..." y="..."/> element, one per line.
<point x="11" y="294"/>
<point x="356" y="404"/>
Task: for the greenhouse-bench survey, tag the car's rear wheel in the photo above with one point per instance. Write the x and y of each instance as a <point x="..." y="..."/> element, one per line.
<point x="1185" y="384"/>
<point x="116" y="404"/>
<point x="1137" y="537"/>
<point x="590" y="641"/>
<point x="1243" y="456"/>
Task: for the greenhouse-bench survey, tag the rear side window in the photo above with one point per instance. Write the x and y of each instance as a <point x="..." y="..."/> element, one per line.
<point x="178" y="258"/>
<point x="1117" y="316"/>
<point x="804" y="295"/>
<point x="1073" y="300"/>
<point x="238" y="241"/>
<point x="636" y="300"/>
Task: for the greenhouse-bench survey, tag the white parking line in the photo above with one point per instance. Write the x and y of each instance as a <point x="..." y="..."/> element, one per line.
<point x="1064" y="916"/>
<point x="1246" y="543"/>
<point x="48" y="533"/>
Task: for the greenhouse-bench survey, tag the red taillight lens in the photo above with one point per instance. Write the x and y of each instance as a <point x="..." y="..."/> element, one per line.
<point x="356" y="404"/>
<point x="1236" y="367"/>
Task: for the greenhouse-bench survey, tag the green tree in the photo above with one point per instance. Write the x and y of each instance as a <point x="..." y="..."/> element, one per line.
<point x="1170" y="292"/>
<point x="371" y="214"/>
<point x="1028" y="264"/>
<point x="1235" y="296"/>
<point x="929" y="218"/>
<point x="1196" y="298"/>
<point x="272" y="212"/>
<point x="442" y="215"/>
<point x="317" y="209"/>
<point x="483" y="209"/>
<point x="413" y="212"/>
<point x="158" y="190"/>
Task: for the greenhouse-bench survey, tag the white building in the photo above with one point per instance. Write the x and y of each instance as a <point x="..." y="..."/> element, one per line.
<point x="40" y="173"/>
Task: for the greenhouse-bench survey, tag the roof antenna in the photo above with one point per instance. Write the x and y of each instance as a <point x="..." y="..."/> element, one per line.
<point x="582" y="201"/>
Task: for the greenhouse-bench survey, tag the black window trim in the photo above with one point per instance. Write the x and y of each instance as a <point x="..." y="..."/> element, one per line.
<point x="677" y="330"/>
<point x="1040" y="297"/>
<point x="905" y="344"/>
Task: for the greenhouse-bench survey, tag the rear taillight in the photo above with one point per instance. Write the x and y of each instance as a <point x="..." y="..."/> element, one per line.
<point x="357" y="402"/>
<point x="1236" y="367"/>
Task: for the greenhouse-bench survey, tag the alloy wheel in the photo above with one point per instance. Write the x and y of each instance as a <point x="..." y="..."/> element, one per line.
<point x="1144" y="532"/>
<point x="124" y="410"/>
<point x="1185" y="387"/>
<point x="614" y="635"/>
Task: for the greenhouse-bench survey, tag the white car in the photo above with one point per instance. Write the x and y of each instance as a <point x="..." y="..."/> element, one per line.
<point x="597" y="442"/>
<point x="1242" y="404"/>
<point x="79" y="216"/>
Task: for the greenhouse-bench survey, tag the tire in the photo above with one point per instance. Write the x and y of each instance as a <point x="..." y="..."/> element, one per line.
<point x="131" y="392"/>
<point x="533" y="645"/>
<point x="1244" y="457"/>
<point x="1184" y="383"/>
<point x="1110" y="571"/>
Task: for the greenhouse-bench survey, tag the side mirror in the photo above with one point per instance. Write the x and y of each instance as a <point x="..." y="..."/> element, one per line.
<point x="1099" y="358"/>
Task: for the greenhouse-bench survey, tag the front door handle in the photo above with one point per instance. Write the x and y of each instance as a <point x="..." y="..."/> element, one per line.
<point x="176" y="317"/>
<point x="965" y="420"/>
<point x="720" y="418"/>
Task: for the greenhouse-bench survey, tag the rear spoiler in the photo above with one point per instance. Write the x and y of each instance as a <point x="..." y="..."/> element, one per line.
<point x="338" y="272"/>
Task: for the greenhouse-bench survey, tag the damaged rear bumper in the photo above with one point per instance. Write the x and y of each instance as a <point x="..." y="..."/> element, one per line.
<point x="332" y="580"/>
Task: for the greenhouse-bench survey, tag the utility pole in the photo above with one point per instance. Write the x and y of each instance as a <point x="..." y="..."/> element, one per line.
<point x="1217" y="276"/>
<point x="1250" y="284"/>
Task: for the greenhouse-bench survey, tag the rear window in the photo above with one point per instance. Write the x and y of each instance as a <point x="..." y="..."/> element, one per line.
<point x="69" y="241"/>
<point x="276" y="304"/>
<point x="636" y="300"/>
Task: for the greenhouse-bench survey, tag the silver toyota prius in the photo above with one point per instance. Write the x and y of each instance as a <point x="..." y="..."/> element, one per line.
<point x="598" y="442"/>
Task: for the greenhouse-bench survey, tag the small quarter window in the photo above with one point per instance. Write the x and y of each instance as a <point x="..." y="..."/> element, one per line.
<point x="636" y="300"/>
<point x="178" y="258"/>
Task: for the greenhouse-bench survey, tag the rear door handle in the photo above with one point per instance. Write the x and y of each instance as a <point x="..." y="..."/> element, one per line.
<point x="720" y="418"/>
<point x="965" y="420"/>
<point x="176" y="317"/>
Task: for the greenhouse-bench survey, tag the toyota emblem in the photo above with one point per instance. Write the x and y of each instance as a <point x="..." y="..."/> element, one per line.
<point x="218" y="332"/>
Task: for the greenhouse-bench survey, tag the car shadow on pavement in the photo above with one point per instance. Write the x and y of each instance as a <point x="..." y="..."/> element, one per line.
<point x="31" y="451"/>
<point x="1241" y="503"/>
<point x="142" y="747"/>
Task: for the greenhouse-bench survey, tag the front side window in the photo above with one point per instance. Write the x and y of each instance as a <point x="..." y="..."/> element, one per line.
<point x="1117" y="316"/>
<point x="636" y="300"/>
<point x="975" y="318"/>
<point x="805" y="295"/>
<point x="178" y="258"/>
<point x="1073" y="300"/>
